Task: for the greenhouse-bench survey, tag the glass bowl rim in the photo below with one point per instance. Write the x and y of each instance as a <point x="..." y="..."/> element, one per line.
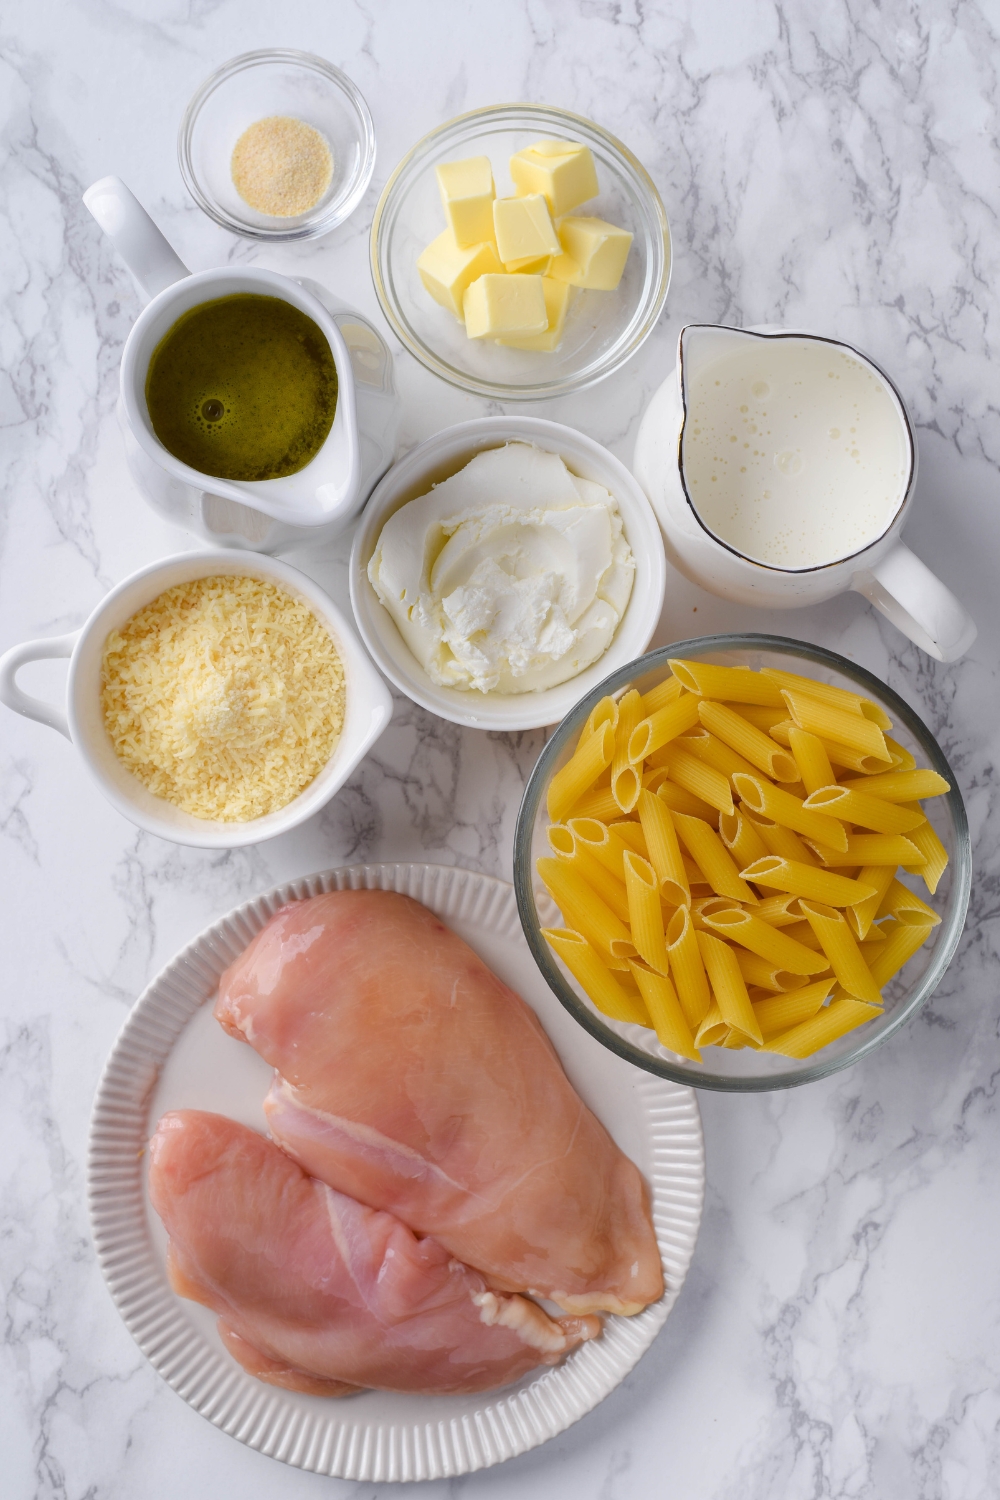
<point x="544" y="390"/>
<point x="308" y="228"/>
<point x="537" y="786"/>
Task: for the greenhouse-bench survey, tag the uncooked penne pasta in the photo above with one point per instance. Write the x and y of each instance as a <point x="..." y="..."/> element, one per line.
<point x="778" y="911"/>
<point x="902" y="940"/>
<point x="842" y="756"/>
<point x="682" y="801"/>
<point x="593" y="976"/>
<point x="660" y="999"/>
<point x="779" y="806"/>
<point x="645" y="912"/>
<point x="906" y="906"/>
<point x="626" y="780"/>
<point x="805" y="880"/>
<point x="862" y="914"/>
<point x="728" y="985"/>
<point x="747" y="929"/>
<point x="596" y="837"/>
<point x="749" y="743"/>
<point x="837" y="942"/>
<point x="659" y="729"/>
<point x="580" y="772"/>
<point x="778" y="840"/>
<point x="778" y="1013"/>
<point x="756" y="713"/>
<point x="603" y="712"/>
<point x="741" y="838"/>
<point x="935" y="855"/>
<point x="713" y="1030"/>
<point x="837" y="724"/>
<point x="856" y="807"/>
<point x="841" y="698"/>
<point x="687" y="969"/>
<point x="729" y="684"/>
<point x="707" y="849"/>
<point x="871" y="849"/>
<point x="713" y="752"/>
<point x="701" y="780"/>
<point x="663" y="850"/>
<point x="663" y="694"/>
<point x="599" y="802"/>
<point x="708" y="905"/>
<point x="585" y="912"/>
<point x="630" y="832"/>
<point x="578" y="855"/>
<point x="906" y="759"/>
<point x="833" y="1021"/>
<point x="767" y="976"/>
<point x="811" y="758"/>
<point x="900" y="786"/>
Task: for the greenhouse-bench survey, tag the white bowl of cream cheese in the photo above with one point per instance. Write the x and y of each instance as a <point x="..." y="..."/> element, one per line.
<point x="527" y="565"/>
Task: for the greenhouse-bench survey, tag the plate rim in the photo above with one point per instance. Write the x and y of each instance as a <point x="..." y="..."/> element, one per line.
<point x="511" y="1420"/>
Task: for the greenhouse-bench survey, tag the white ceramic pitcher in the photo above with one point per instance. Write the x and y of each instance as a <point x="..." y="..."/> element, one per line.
<point x="270" y="515"/>
<point x="886" y="572"/>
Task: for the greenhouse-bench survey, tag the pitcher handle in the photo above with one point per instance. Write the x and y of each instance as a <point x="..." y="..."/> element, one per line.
<point x="905" y="590"/>
<point x="149" y="256"/>
<point x="23" y="703"/>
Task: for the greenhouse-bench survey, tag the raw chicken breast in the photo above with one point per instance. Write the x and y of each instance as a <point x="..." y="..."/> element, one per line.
<point x="316" y="1292"/>
<point x="412" y="1079"/>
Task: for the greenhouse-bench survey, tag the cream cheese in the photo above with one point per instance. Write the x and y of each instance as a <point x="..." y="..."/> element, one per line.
<point x="509" y="577"/>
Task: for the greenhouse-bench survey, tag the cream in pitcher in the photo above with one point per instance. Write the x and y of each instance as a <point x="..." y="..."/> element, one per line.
<point x="781" y="466"/>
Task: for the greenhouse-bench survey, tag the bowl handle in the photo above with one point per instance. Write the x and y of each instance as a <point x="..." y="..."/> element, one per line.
<point x="22" y="703"/>
<point x="905" y="590"/>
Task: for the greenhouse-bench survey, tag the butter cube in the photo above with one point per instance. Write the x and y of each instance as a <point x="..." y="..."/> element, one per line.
<point x="467" y="193"/>
<point x="557" y="295"/>
<point x="535" y="265"/>
<point x="562" y="171"/>
<point x="524" y="230"/>
<point x="503" y="306"/>
<point x="594" y="255"/>
<point x="447" y="269"/>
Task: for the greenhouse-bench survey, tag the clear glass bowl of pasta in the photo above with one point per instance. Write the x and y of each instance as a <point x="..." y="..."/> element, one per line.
<point x="750" y="1068"/>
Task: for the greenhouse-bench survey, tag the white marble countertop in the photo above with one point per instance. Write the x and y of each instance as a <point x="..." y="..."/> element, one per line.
<point x="831" y="167"/>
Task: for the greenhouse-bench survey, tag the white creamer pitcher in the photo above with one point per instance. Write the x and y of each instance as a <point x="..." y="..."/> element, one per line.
<point x="883" y="569"/>
<point x="271" y="515"/>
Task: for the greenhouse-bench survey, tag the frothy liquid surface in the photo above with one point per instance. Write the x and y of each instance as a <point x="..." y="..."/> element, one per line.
<point x="794" y="452"/>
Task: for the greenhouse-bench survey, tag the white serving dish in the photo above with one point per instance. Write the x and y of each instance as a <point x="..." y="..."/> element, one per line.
<point x="368" y="706"/>
<point x="443" y="455"/>
<point x="171" y="1054"/>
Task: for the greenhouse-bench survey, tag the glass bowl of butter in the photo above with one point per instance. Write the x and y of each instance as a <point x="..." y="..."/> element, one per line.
<point x="596" y="329"/>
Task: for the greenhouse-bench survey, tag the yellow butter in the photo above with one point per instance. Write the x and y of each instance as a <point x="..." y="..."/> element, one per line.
<point x="535" y="265"/>
<point x="594" y="255"/>
<point x="447" y="269"/>
<point x="467" y="193"/>
<point x="505" y="305"/>
<point x="557" y="295"/>
<point x="524" y="229"/>
<point x="562" y="171"/>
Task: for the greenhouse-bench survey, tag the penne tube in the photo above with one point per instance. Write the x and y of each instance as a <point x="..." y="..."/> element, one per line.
<point x="585" y="912"/>
<point x="732" y="684"/>
<point x="713" y="752"/>
<point x="599" y="803"/>
<point x="631" y="834"/>
<point x="626" y="779"/>
<point x="902" y="940"/>
<point x="710" y="904"/>
<point x="803" y="933"/>
<point x="837" y="724"/>
<point x="663" y="850"/>
<point x="687" y="969"/>
<point x="778" y="1013"/>
<point x="750" y="743"/>
<point x="857" y="807"/>
<point x="825" y="692"/>
<point x="682" y="801"/>
<point x="660" y="999"/>
<point x="757" y="714"/>
<point x="661" y="696"/>
<point x="580" y="772"/>
<point x="579" y="856"/>
<point x="596" y="837"/>
<point x="805" y="880"/>
<point x="833" y="1021"/>
<point x="747" y="929"/>
<point x="741" y="838"/>
<point x="811" y="758"/>
<point x="777" y="840"/>
<point x="837" y="942"/>
<point x="871" y="849"/>
<point x="645" y="912"/>
<point x="841" y="756"/>
<point x="700" y="780"/>
<point x="862" y="914"/>
<point x="650" y="735"/>
<point x="781" y="807"/>
<point x="778" y="911"/>
<point x="767" y="976"/>
<point x="603" y="712"/>
<point x="935" y="856"/>
<point x="906" y="758"/>
<point x="728" y="985"/>
<point x="593" y="976"/>
<point x="709" y="852"/>
<point x="713" y="1030"/>
<point x="900" y="786"/>
<point x="906" y="906"/>
<point x="736" y="1040"/>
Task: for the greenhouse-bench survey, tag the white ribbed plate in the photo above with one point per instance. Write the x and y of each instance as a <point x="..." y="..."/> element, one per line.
<point x="171" y="1054"/>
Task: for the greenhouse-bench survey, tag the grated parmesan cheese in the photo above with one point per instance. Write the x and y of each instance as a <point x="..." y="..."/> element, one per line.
<point x="224" y="695"/>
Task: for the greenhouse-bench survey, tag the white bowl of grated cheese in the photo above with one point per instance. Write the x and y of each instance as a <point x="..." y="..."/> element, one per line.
<point x="443" y="652"/>
<point x="367" y="704"/>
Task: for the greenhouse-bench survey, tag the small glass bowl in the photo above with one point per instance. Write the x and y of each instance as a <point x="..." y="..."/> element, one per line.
<point x="603" y="329"/>
<point x="252" y="87"/>
<point x="747" y="1071"/>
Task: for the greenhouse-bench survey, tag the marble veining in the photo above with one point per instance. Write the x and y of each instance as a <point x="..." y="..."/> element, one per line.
<point x="833" y="168"/>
